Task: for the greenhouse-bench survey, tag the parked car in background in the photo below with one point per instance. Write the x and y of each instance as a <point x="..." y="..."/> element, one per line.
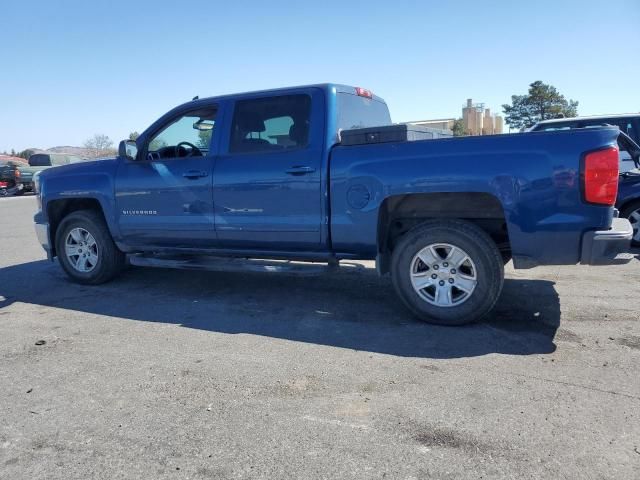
<point x="628" y="201"/>
<point x="16" y="177"/>
<point x="52" y="159"/>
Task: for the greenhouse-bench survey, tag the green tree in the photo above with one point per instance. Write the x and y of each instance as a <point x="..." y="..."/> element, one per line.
<point x="543" y="102"/>
<point x="204" y="139"/>
<point x="13" y="152"/>
<point x="458" y="128"/>
<point x="134" y="136"/>
<point x="156" y="144"/>
<point x="25" y="154"/>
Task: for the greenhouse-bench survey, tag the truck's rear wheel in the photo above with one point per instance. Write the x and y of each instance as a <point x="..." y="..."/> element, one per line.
<point x="86" y="250"/>
<point x="447" y="272"/>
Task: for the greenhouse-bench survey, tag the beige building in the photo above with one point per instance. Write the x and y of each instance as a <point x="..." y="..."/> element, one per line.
<point x="478" y="120"/>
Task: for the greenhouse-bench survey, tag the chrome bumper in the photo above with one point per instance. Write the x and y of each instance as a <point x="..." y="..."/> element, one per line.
<point x="42" y="232"/>
<point x="608" y="247"/>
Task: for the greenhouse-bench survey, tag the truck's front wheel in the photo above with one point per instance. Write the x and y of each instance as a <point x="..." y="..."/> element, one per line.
<point x="86" y="250"/>
<point x="447" y="272"/>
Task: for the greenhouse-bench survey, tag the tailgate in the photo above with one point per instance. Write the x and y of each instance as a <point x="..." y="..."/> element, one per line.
<point x="26" y="173"/>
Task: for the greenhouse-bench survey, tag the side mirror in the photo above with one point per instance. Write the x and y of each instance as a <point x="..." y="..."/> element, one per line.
<point x="128" y="149"/>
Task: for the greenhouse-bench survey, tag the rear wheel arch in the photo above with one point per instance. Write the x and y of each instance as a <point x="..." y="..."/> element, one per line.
<point x="629" y="203"/>
<point x="399" y="214"/>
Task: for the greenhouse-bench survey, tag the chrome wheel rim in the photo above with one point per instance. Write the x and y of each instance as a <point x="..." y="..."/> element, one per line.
<point x="81" y="250"/>
<point x="443" y="275"/>
<point x="634" y="219"/>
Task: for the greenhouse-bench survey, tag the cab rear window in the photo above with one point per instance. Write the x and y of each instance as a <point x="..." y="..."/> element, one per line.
<point x="39" y="160"/>
<point x="361" y="112"/>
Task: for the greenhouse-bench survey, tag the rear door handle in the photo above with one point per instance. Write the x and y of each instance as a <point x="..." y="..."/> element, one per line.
<point x="300" y="170"/>
<point x="194" y="174"/>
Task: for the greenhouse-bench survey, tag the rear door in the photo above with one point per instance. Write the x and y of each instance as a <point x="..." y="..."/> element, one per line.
<point x="267" y="181"/>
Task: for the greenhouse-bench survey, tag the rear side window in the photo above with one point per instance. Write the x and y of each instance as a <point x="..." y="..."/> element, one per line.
<point x="270" y="124"/>
<point x="361" y="112"/>
<point x="40" y="160"/>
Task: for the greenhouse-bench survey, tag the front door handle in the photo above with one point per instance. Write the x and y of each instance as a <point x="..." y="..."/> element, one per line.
<point x="300" y="170"/>
<point x="194" y="174"/>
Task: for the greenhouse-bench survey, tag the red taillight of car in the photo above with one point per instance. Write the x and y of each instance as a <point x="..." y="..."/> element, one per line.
<point x="16" y="173"/>
<point x="600" y="176"/>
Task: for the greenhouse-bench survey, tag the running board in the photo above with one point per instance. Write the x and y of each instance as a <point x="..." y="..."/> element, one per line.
<point x="229" y="264"/>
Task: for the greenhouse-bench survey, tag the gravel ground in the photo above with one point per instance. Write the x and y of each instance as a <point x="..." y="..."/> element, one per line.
<point x="175" y="374"/>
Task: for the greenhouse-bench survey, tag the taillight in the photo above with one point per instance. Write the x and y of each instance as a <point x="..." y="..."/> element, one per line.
<point x="16" y="173"/>
<point x="600" y="176"/>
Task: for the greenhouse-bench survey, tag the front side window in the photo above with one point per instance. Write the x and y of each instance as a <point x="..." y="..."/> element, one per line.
<point x="270" y="124"/>
<point x="186" y="136"/>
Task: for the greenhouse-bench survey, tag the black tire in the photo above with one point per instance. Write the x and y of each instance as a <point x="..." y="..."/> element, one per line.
<point x="626" y="213"/>
<point x="18" y="193"/>
<point x="481" y="250"/>
<point x="110" y="260"/>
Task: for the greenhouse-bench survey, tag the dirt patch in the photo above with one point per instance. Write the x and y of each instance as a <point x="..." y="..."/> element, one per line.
<point x="447" y="438"/>
<point x="631" y="341"/>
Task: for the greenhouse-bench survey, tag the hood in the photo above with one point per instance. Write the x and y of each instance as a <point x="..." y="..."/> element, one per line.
<point x="92" y="166"/>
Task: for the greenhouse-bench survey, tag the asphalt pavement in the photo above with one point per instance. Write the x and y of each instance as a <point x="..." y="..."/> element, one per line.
<point x="188" y="375"/>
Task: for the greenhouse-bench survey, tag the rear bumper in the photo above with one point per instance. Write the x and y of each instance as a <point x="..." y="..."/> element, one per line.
<point x="608" y="247"/>
<point x="42" y="232"/>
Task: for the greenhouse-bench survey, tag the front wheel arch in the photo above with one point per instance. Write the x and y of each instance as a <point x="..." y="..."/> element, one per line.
<point x="110" y="260"/>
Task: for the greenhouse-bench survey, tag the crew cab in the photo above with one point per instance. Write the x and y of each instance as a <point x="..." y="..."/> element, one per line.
<point x="281" y="174"/>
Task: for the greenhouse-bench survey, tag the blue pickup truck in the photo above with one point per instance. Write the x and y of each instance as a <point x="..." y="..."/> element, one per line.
<point x="270" y="175"/>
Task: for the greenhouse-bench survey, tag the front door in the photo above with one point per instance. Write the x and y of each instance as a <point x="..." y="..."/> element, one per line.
<point x="165" y="196"/>
<point x="267" y="184"/>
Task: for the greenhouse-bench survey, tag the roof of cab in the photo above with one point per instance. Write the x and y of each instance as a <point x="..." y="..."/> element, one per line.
<point x="328" y="87"/>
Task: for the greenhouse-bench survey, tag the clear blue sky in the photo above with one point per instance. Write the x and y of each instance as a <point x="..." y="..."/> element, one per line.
<point x="74" y="68"/>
